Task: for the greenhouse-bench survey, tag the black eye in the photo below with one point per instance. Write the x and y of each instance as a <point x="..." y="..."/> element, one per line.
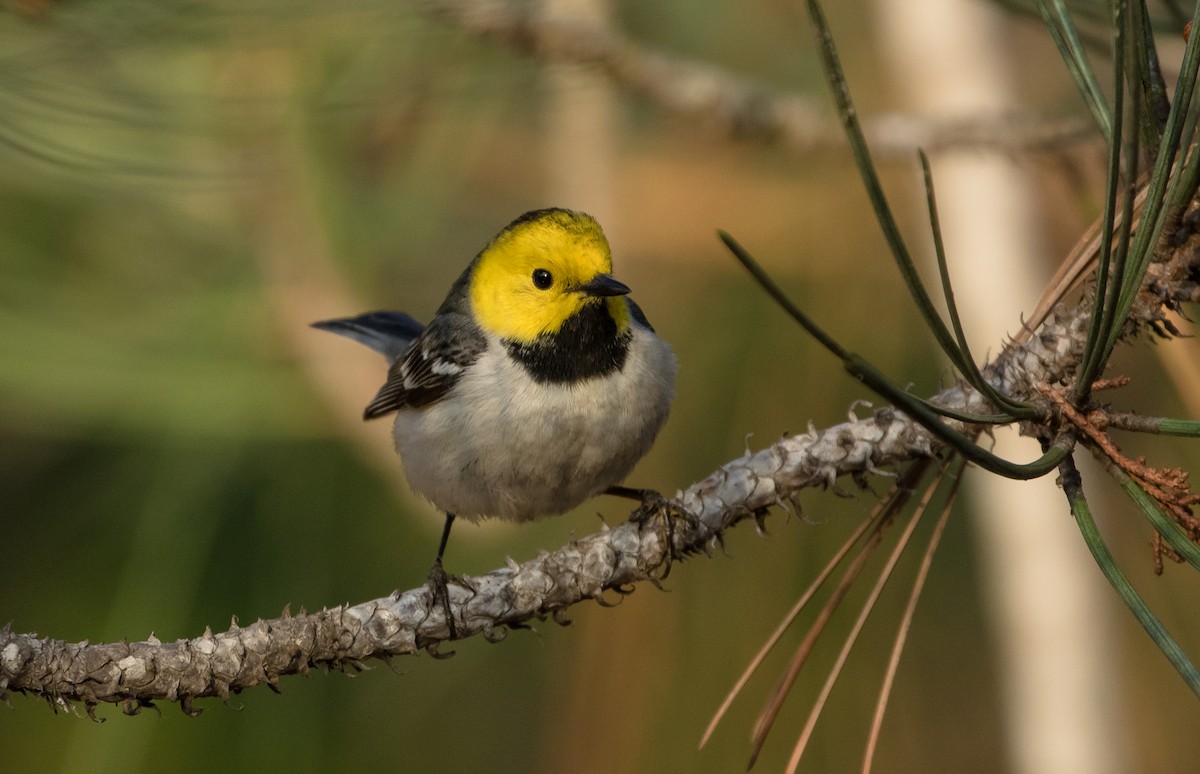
<point x="542" y="279"/>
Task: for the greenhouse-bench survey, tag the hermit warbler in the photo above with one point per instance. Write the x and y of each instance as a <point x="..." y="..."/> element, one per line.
<point x="537" y="385"/>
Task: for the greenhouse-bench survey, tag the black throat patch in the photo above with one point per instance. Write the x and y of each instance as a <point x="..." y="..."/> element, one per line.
<point x="587" y="345"/>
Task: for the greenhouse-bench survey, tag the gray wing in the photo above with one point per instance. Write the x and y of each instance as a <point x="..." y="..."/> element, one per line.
<point x="430" y="366"/>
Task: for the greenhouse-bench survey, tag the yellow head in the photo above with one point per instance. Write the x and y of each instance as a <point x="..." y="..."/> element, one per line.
<point x="540" y="271"/>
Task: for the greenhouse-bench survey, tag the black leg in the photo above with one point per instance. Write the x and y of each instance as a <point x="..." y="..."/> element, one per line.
<point x="650" y="499"/>
<point x="628" y="492"/>
<point x="437" y="578"/>
<point x="445" y="536"/>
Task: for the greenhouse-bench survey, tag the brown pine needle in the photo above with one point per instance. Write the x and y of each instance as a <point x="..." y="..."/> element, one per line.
<point x="889" y="677"/>
<point x="783" y="626"/>
<point x="885" y="574"/>
<point x="766" y="718"/>
<point x="895" y="500"/>
<point x="1075" y="269"/>
<point x="900" y="491"/>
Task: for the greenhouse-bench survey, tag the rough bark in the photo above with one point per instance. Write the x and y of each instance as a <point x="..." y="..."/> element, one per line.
<point x="404" y="623"/>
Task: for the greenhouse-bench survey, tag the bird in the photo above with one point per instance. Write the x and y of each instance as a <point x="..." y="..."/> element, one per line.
<point x="538" y="383"/>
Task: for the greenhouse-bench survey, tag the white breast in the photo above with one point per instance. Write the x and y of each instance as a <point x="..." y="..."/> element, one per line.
<point x="534" y="450"/>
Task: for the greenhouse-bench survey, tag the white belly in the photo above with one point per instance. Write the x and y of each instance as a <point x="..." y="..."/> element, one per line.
<point x="536" y="449"/>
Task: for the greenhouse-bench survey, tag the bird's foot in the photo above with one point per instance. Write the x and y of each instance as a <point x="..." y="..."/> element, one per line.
<point x="438" y="583"/>
<point x="654" y="504"/>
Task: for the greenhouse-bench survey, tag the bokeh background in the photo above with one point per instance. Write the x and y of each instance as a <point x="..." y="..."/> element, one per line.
<point x="186" y="185"/>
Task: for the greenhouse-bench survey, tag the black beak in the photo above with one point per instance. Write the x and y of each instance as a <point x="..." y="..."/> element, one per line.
<point x="603" y="285"/>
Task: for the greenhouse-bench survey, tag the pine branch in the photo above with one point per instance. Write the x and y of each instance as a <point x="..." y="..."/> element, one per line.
<point x="404" y="623"/>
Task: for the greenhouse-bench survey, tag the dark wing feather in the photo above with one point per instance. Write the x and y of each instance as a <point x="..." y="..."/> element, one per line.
<point x="388" y="333"/>
<point x="638" y="314"/>
<point x="430" y="366"/>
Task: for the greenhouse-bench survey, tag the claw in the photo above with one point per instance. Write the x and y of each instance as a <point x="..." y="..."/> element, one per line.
<point x="654" y="504"/>
<point x="440" y="590"/>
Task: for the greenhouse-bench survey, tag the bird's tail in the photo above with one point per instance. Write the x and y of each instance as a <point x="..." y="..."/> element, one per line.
<point x="388" y="333"/>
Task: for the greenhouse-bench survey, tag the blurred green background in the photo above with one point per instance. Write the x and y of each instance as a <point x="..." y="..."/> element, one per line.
<point x="186" y="185"/>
